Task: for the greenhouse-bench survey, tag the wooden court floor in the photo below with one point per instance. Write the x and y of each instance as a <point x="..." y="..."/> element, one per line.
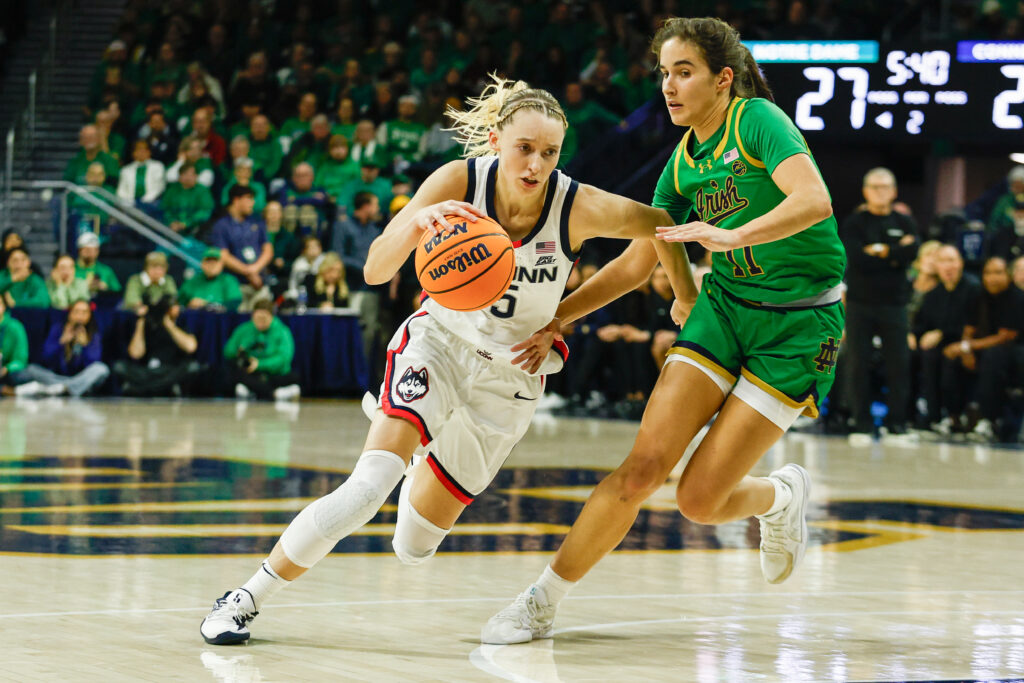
<point x="120" y="522"/>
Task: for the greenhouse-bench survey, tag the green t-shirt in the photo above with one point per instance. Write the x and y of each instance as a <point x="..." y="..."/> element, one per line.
<point x="222" y="289"/>
<point x="346" y="129"/>
<point x="13" y="344"/>
<point x="404" y="139"/>
<point x="189" y="206"/>
<point x="266" y="156"/>
<point x="99" y="270"/>
<point x="726" y="181"/>
<point x="274" y="349"/>
<point x="29" y="293"/>
<point x="379" y="187"/>
<point x="62" y="296"/>
<point x="74" y="172"/>
<point x="294" y="128"/>
<point x="140" y="291"/>
<point x="332" y="175"/>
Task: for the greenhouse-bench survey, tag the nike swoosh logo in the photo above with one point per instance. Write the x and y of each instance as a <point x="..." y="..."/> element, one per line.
<point x="525" y="398"/>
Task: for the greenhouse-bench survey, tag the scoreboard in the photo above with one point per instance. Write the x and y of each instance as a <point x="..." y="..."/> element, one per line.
<point x="967" y="91"/>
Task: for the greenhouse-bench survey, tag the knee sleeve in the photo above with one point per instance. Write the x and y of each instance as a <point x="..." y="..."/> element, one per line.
<point x="416" y="537"/>
<point x="327" y="520"/>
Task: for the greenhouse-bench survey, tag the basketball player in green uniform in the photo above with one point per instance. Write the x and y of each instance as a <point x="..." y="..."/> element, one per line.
<point x="760" y="343"/>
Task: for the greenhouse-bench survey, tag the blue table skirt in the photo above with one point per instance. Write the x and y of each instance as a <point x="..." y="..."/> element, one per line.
<point x="328" y="349"/>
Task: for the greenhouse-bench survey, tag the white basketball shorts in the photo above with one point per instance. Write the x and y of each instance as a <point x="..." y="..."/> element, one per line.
<point x="470" y="409"/>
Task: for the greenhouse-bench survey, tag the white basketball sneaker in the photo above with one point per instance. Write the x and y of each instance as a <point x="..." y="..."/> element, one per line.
<point x="530" y="617"/>
<point x="227" y="623"/>
<point x="784" y="534"/>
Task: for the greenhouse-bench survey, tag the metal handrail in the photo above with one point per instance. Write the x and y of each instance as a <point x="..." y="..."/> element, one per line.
<point x="8" y="176"/>
<point x="140" y="215"/>
<point x="114" y="210"/>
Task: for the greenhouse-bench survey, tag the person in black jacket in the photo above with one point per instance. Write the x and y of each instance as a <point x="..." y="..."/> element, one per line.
<point x="992" y="345"/>
<point x="880" y="245"/>
<point x="944" y="314"/>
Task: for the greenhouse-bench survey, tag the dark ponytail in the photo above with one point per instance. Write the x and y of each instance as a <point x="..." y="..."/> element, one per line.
<point x="720" y="44"/>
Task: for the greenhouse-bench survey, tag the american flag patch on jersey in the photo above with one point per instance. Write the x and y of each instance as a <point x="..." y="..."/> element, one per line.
<point x="545" y="247"/>
<point x="731" y="155"/>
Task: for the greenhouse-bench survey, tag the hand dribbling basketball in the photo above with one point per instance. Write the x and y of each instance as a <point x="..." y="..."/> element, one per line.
<point x="432" y="218"/>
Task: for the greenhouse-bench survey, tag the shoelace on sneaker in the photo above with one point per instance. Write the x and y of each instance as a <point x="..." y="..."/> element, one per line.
<point x="240" y="616"/>
<point x="514" y="613"/>
<point x="772" y="537"/>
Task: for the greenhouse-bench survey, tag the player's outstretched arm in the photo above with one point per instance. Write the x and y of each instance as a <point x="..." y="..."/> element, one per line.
<point x="597" y="213"/>
<point x="439" y="196"/>
<point x="806" y="203"/>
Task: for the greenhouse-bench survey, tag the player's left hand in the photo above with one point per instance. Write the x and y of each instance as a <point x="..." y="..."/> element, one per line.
<point x="535" y="349"/>
<point x="708" y="236"/>
<point x="681" y="311"/>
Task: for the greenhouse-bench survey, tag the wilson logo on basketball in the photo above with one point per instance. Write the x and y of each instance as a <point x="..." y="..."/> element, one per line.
<point x="461" y="262"/>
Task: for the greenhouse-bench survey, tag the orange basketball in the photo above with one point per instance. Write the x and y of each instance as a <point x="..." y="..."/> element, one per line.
<point x="469" y="268"/>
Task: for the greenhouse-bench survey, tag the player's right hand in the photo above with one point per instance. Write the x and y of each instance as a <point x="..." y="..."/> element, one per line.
<point x="535" y="348"/>
<point x="432" y="218"/>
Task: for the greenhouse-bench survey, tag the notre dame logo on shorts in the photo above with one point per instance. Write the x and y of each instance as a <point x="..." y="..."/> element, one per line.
<point x="826" y="359"/>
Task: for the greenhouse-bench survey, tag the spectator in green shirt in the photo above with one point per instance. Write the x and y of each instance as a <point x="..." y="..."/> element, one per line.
<point x="369" y="181"/>
<point x="89" y="153"/>
<point x="588" y="119"/>
<point x="345" y="118"/>
<point x="212" y="289"/>
<point x="98" y="276"/>
<point x="298" y="125"/>
<point x="312" y="147"/>
<point x="260" y="353"/>
<point x="13" y="350"/>
<point x="83" y="215"/>
<point x="19" y="285"/>
<point x="404" y="138"/>
<point x="242" y="175"/>
<point x="1004" y="206"/>
<point x="338" y="169"/>
<point x="151" y="285"/>
<point x="111" y="142"/>
<point x="187" y="204"/>
<point x="429" y="71"/>
<point x="286" y="245"/>
<point x="64" y="287"/>
<point x="264" y="149"/>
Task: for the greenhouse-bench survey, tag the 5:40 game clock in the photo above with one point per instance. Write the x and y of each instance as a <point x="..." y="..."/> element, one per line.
<point x="863" y="90"/>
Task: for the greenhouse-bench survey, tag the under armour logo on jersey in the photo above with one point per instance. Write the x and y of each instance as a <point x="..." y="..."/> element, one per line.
<point x="546" y="261"/>
<point x="413" y="385"/>
<point x="826" y="359"/>
<point x="705" y="165"/>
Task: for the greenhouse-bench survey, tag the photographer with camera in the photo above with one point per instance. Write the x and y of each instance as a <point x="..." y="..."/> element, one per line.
<point x="161" y="353"/>
<point x="260" y="354"/>
<point x="151" y="285"/>
<point x="212" y="289"/>
<point x="71" y="356"/>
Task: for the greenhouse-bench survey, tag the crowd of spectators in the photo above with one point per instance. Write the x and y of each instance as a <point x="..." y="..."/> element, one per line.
<point x="278" y="138"/>
<point x="944" y="318"/>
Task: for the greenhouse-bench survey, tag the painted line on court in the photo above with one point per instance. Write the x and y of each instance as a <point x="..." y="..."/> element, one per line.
<point x="574" y="598"/>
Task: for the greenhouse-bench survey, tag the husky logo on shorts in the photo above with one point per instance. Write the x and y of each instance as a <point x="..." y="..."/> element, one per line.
<point x="413" y="385"/>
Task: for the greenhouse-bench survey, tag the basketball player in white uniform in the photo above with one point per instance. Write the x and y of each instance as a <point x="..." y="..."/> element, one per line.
<point x="462" y="384"/>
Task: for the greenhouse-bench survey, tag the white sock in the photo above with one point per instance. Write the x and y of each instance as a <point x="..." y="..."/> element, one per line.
<point x="783" y="496"/>
<point x="263" y="584"/>
<point x="554" y="586"/>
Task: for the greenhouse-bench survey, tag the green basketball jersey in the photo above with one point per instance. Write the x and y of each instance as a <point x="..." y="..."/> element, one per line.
<point x="726" y="181"/>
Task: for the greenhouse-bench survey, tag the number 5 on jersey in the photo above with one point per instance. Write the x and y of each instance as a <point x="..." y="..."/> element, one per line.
<point x="506" y="305"/>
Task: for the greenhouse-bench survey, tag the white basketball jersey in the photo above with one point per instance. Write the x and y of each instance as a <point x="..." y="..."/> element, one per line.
<point x="543" y="261"/>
